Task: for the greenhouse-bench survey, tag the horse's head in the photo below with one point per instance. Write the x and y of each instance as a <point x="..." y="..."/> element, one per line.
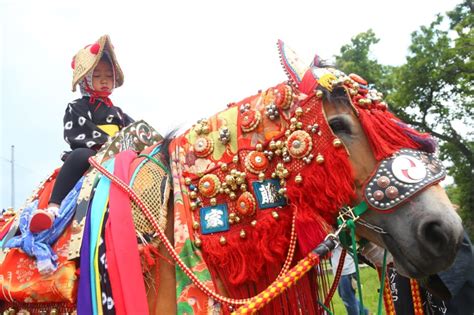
<point x="393" y="170"/>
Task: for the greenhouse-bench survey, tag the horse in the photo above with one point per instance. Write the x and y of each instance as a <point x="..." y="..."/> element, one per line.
<point x="260" y="185"/>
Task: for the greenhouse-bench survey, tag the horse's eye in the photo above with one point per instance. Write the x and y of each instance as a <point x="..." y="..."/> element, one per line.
<point x="340" y="125"/>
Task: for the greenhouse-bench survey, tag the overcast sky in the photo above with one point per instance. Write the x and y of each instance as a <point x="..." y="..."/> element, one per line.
<point x="183" y="60"/>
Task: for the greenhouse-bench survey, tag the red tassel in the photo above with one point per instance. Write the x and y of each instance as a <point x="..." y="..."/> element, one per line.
<point x="243" y="260"/>
<point x="384" y="134"/>
<point x="320" y="196"/>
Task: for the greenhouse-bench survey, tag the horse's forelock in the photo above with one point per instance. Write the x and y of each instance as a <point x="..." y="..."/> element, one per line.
<point x="386" y="133"/>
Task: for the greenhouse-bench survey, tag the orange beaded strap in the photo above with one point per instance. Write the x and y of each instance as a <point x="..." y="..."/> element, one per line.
<point x="416" y="297"/>
<point x="387" y="294"/>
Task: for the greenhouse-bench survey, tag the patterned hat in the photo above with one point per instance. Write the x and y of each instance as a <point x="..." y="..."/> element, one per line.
<point x="88" y="57"/>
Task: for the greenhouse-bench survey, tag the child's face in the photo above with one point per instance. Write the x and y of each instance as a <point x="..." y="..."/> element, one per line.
<point x="103" y="77"/>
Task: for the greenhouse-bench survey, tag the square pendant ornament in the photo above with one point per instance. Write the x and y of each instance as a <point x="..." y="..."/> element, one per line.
<point x="214" y="219"/>
<point x="267" y="194"/>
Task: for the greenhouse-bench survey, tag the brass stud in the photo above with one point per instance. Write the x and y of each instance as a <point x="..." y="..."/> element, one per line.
<point x="298" y="179"/>
<point x="237" y="219"/>
<point x="213" y="201"/>
<point x="193" y="205"/>
<point x="243" y="234"/>
<point x="259" y="147"/>
<point x="224" y="167"/>
<point x="320" y="159"/>
<point x="337" y="143"/>
<point x="222" y="240"/>
<point x="196" y="225"/>
<point x="275" y="215"/>
<point x="193" y="195"/>
<point x="197" y="242"/>
<point x="243" y="187"/>
<point x="253" y="223"/>
<point x="261" y="176"/>
<point x="272" y="145"/>
<point x="232" y="196"/>
<point x="285" y="173"/>
<point x="298" y="111"/>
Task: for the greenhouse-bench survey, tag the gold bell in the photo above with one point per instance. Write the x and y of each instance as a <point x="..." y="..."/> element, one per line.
<point x="193" y="205"/>
<point x="253" y="223"/>
<point x="232" y="196"/>
<point x="319" y="94"/>
<point x="224" y="167"/>
<point x="196" y="225"/>
<point x="275" y="215"/>
<point x="261" y="176"/>
<point x="222" y="240"/>
<point x="187" y="181"/>
<point x="259" y="147"/>
<point x="299" y="111"/>
<point x="320" y="159"/>
<point x="197" y="242"/>
<point x="235" y="159"/>
<point x="243" y="234"/>
<point x="298" y="179"/>
<point x="337" y="143"/>
<point x="213" y="201"/>
<point x="193" y="195"/>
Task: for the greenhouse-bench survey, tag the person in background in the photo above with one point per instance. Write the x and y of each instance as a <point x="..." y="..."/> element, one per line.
<point x="346" y="287"/>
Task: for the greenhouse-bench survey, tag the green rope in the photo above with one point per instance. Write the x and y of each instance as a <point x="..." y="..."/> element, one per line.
<point x="157" y="162"/>
<point x="382" y="283"/>
<point x="325" y="307"/>
<point x="351" y="225"/>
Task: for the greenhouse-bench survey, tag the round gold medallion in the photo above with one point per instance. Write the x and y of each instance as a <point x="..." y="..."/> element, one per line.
<point x="256" y="162"/>
<point x="203" y="146"/>
<point x="250" y="120"/>
<point x="209" y="185"/>
<point x="299" y="144"/>
<point x="246" y="204"/>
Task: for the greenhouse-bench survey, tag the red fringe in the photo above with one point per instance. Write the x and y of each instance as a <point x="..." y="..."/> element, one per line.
<point x="385" y="135"/>
<point x="320" y="196"/>
<point x="245" y="260"/>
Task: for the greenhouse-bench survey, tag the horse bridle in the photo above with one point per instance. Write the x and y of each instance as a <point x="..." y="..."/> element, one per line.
<point x="395" y="180"/>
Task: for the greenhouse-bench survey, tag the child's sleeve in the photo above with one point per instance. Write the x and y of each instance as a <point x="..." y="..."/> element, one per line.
<point x="79" y="129"/>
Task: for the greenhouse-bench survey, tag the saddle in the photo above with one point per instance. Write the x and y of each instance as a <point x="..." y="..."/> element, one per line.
<point x="22" y="286"/>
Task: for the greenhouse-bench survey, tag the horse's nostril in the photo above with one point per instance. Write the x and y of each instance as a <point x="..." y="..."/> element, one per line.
<point x="435" y="236"/>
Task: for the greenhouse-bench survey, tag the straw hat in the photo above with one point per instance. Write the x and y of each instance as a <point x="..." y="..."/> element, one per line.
<point x="88" y="57"/>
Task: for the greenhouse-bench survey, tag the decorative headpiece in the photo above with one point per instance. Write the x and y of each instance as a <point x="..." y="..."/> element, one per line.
<point x="88" y="57"/>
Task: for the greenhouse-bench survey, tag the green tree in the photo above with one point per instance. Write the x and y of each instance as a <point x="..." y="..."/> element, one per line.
<point x="431" y="91"/>
<point x="356" y="58"/>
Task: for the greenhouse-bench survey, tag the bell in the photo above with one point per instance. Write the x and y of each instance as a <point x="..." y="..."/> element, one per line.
<point x="298" y="179"/>
<point x="337" y="143"/>
<point x="320" y="159"/>
<point x="197" y="242"/>
<point x="243" y="234"/>
<point x="222" y="240"/>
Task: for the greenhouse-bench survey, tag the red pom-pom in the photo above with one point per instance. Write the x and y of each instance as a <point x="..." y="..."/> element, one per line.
<point x="95" y="49"/>
<point x="73" y="62"/>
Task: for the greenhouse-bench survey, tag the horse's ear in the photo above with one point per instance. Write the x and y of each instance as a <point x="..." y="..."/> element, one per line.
<point x="294" y="67"/>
